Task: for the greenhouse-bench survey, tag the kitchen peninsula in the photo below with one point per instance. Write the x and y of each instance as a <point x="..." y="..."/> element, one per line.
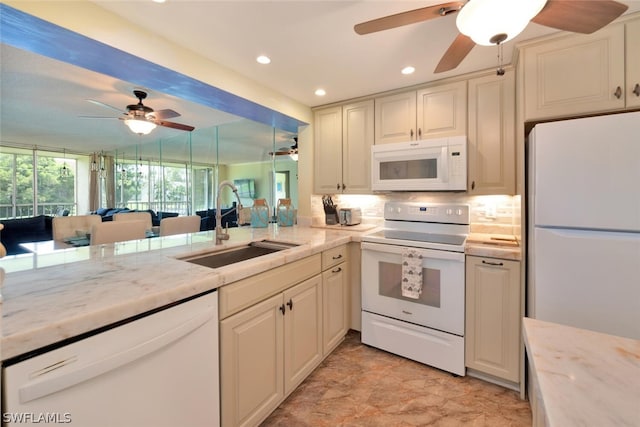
<point x="55" y="296"/>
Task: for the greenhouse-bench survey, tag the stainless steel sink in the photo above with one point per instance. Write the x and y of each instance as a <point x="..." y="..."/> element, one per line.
<point x="225" y="257"/>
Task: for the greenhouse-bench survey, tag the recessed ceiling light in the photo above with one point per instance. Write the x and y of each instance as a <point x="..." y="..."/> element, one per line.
<point x="263" y="59"/>
<point x="159" y="1"/>
<point x="320" y="92"/>
<point x="408" y="70"/>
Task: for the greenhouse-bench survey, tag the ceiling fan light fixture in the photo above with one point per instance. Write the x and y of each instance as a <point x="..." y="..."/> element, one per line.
<point x="489" y="22"/>
<point x="141" y="127"/>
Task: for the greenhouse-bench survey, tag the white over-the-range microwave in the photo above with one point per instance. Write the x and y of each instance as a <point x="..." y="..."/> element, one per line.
<point x="424" y="165"/>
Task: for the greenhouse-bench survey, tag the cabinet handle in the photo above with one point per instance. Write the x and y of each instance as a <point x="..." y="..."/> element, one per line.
<point x="618" y="92"/>
<point x="290" y="304"/>
<point x="337" y="186"/>
<point x="337" y="270"/>
<point x="492" y="263"/>
<point x="411" y="133"/>
<point x="636" y="89"/>
<point x="473" y="185"/>
<point x="419" y="133"/>
<point x="282" y="309"/>
<point x="336" y="256"/>
<point x="344" y="186"/>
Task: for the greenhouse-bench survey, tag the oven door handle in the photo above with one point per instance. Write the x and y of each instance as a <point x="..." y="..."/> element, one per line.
<point x="426" y="253"/>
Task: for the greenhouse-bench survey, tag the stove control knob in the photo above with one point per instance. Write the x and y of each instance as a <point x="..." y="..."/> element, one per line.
<point x="449" y="211"/>
<point x="458" y="212"/>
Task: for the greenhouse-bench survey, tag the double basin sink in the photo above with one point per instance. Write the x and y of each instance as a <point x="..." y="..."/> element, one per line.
<point x="224" y="257"/>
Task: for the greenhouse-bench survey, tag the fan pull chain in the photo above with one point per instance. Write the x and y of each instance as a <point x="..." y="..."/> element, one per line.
<point x="500" y="70"/>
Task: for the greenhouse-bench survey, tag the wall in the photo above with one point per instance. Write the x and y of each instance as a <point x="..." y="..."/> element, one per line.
<point x="489" y="214"/>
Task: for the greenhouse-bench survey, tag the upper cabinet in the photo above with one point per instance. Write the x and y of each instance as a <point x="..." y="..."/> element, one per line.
<point x="342" y="154"/>
<point x="491" y="137"/>
<point x="442" y="110"/>
<point x="436" y="111"/>
<point x="396" y="118"/>
<point x="579" y="74"/>
<point x="632" y="57"/>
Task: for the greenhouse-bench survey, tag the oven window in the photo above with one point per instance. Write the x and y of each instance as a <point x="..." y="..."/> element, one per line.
<point x="409" y="169"/>
<point x="390" y="276"/>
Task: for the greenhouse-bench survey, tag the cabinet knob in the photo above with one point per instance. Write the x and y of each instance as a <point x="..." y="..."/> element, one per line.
<point x="343" y="187"/>
<point x="290" y="304"/>
<point x="282" y="309"/>
<point x="337" y="186"/>
<point x="636" y="89"/>
<point x="618" y="92"/>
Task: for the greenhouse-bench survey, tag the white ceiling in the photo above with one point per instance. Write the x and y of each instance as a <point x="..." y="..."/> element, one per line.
<point x="311" y="43"/>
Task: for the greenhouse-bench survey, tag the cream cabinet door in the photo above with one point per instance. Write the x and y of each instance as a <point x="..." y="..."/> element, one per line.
<point x="491" y="145"/>
<point x="327" y="150"/>
<point x="357" y="139"/>
<point x="302" y="331"/>
<point x="442" y="110"/>
<point x="575" y="74"/>
<point x="251" y="363"/>
<point x="633" y="63"/>
<point x="395" y="118"/>
<point x="335" y="305"/>
<point x="492" y="335"/>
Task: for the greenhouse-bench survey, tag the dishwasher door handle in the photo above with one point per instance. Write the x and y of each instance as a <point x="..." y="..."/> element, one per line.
<point x="53" y="382"/>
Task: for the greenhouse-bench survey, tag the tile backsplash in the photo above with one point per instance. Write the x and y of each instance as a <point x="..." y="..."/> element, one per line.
<point x="489" y="214"/>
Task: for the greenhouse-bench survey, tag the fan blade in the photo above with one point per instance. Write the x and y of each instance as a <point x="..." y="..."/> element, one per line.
<point x="579" y="16"/>
<point x="458" y="50"/>
<point x="102" y="104"/>
<point x="173" y="125"/>
<point x="409" y="17"/>
<point x="97" y="117"/>
<point x="164" y="114"/>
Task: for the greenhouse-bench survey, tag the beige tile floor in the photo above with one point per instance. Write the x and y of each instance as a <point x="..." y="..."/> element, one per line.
<point x="359" y="385"/>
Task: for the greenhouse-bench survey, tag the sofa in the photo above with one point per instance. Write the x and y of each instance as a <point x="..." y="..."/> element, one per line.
<point x="107" y="214"/>
<point x="208" y="218"/>
<point x="25" y="230"/>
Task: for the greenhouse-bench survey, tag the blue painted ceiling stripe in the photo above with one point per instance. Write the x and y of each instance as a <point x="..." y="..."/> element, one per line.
<point x="33" y="34"/>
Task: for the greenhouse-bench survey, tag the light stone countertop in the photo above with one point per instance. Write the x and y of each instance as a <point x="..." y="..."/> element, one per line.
<point x="57" y="294"/>
<point x="585" y="378"/>
<point x="51" y="296"/>
<point x="493" y="246"/>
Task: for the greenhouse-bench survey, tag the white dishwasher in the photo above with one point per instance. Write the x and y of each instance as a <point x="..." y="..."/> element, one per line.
<point x="159" y="369"/>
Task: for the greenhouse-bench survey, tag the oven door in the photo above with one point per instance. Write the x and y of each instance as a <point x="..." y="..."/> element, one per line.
<point x="441" y="303"/>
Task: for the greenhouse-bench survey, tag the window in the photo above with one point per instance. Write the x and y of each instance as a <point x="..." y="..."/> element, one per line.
<point x="24" y="193"/>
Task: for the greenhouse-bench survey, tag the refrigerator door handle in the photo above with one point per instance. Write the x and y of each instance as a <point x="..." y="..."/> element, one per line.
<point x="46" y="385"/>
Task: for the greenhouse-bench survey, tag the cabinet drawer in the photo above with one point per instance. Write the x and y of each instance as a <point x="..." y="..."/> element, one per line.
<point x="249" y="291"/>
<point x="334" y="256"/>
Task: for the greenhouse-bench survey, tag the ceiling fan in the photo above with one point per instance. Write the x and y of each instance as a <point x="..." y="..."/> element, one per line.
<point x="493" y="22"/>
<point x="142" y="119"/>
<point x="287" y="151"/>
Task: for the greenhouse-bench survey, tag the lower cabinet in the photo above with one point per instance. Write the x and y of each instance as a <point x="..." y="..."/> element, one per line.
<point x="492" y="336"/>
<point x="275" y="329"/>
<point x="335" y="292"/>
<point x="267" y="350"/>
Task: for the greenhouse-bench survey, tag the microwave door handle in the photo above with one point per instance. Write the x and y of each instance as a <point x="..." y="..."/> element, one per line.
<point x="444" y="164"/>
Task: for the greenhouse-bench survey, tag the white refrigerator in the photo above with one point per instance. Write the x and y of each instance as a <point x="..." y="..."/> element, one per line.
<point x="583" y="223"/>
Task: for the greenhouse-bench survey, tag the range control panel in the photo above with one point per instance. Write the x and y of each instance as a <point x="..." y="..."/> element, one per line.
<point x="427" y="212"/>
